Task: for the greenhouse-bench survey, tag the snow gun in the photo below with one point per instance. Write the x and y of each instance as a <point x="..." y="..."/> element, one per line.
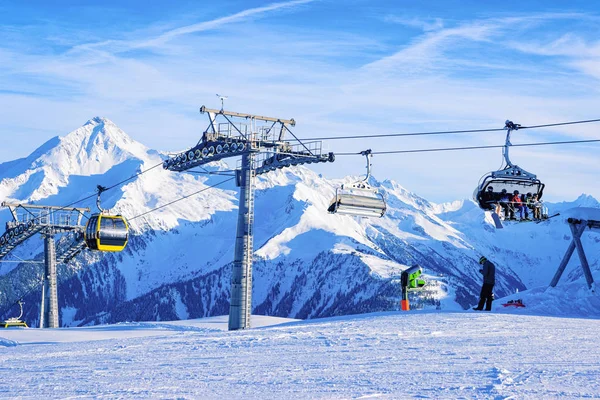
<point x="410" y="281"/>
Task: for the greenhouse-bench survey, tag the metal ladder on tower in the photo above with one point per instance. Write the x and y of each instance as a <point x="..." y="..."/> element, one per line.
<point x="250" y="241"/>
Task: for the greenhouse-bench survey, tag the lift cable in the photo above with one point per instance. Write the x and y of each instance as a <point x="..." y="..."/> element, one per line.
<point x="402" y="134"/>
<point x="337" y="154"/>
<point x="448" y="132"/>
<point x="470" y="147"/>
<point x="95" y="194"/>
<point x="137" y="216"/>
<point x="181" y="198"/>
<point x="586" y="121"/>
<point x="384" y="152"/>
<point x="21" y="262"/>
<point x="22" y="296"/>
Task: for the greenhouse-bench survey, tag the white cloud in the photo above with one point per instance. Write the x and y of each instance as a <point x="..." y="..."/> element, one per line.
<point x="160" y="40"/>
<point x="331" y="82"/>
<point x="412" y="22"/>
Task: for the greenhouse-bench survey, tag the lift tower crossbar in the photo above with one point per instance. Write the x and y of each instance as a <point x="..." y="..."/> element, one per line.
<point x="260" y="144"/>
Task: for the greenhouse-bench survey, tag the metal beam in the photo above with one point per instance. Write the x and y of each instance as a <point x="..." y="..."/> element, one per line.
<point x="577" y="228"/>
<point x="203" y="110"/>
<point x="563" y="263"/>
<point x="12" y="209"/>
<point x="581" y="253"/>
<point x="40" y="207"/>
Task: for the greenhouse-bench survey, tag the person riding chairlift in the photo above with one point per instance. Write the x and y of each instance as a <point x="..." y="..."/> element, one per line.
<point x="518" y="203"/>
<point x="503" y="204"/>
<point x="489" y="198"/>
<point x="536" y="206"/>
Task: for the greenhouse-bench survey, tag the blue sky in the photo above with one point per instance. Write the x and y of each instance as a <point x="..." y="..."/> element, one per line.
<point x="338" y="68"/>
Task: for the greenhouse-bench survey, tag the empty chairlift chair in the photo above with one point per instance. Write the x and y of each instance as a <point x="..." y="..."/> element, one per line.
<point x="105" y="232"/>
<point x="15" y="321"/>
<point x="358" y="198"/>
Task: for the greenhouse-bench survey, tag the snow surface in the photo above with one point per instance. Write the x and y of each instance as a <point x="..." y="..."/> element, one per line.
<point x="383" y="355"/>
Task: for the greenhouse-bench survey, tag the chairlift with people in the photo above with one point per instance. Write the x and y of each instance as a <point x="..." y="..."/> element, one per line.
<point x="359" y="198"/>
<point x="509" y="180"/>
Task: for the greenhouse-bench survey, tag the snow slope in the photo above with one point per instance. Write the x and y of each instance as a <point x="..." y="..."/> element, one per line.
<point x="309" y="263"/>
<point x="384" y="355"/>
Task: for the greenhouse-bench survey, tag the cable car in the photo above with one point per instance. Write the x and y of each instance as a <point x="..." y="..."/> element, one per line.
<point x="511" y="177"/>
<point x="15" y="321"/>
<point x="358" y="198"/>
<point x="105" y="232"/>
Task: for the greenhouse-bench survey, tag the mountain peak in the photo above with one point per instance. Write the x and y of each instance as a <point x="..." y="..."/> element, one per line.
<point x="91" y="149"/>
<point x="99" y="121"/>
<point x="100" y="131"/>
<point x="102" y="122"/>
<point x="585" y="200"/>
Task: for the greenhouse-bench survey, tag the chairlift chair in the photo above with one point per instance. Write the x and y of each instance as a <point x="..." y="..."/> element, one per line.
<point x="511" y="177"/>
<point x="106" y="232"/>
<point x="15" y="322"/>
<point x="359" y="198"/>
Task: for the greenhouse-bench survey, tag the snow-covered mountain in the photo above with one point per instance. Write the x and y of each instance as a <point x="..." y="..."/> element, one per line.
<point x="309" y="263"/>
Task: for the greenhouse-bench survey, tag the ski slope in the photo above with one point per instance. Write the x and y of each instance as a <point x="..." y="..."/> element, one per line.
<point x="383" y="355"/>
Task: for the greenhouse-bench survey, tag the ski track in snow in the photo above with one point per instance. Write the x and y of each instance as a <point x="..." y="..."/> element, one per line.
<point x="382" y="355"/>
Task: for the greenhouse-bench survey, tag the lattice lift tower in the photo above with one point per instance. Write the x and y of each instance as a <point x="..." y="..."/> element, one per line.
<point x="49" y="221"/>
<point x="260" y="142"/>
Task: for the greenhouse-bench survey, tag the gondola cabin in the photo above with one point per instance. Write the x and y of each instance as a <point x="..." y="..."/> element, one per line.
<point x="106" y="232"/>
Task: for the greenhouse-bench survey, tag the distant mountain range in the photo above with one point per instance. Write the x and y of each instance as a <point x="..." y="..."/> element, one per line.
<point x="308" y="263"/>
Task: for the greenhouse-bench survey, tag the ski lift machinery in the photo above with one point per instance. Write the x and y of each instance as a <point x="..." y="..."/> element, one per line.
<point x="511" y="177"/>
<point x="106" y="232"/>
<point x="359" y="198"/>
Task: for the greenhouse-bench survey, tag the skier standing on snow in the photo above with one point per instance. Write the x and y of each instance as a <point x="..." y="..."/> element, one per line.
<point x="486" y="296"/>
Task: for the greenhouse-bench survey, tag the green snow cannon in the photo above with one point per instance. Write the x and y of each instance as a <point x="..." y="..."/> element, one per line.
<point x="410" y="278"/>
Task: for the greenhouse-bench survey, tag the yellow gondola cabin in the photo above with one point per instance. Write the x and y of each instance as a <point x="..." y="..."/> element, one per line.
<point x="106" y="232"/>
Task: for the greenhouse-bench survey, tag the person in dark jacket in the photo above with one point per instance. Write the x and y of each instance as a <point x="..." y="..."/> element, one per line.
<point x="486" y="296"/>
<point x="504" y="202"/>
<point x="489" y="198"/>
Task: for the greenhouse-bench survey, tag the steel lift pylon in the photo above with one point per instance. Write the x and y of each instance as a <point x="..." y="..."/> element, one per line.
<point x="260" y="142"/>
<point x="29" y="219"/>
